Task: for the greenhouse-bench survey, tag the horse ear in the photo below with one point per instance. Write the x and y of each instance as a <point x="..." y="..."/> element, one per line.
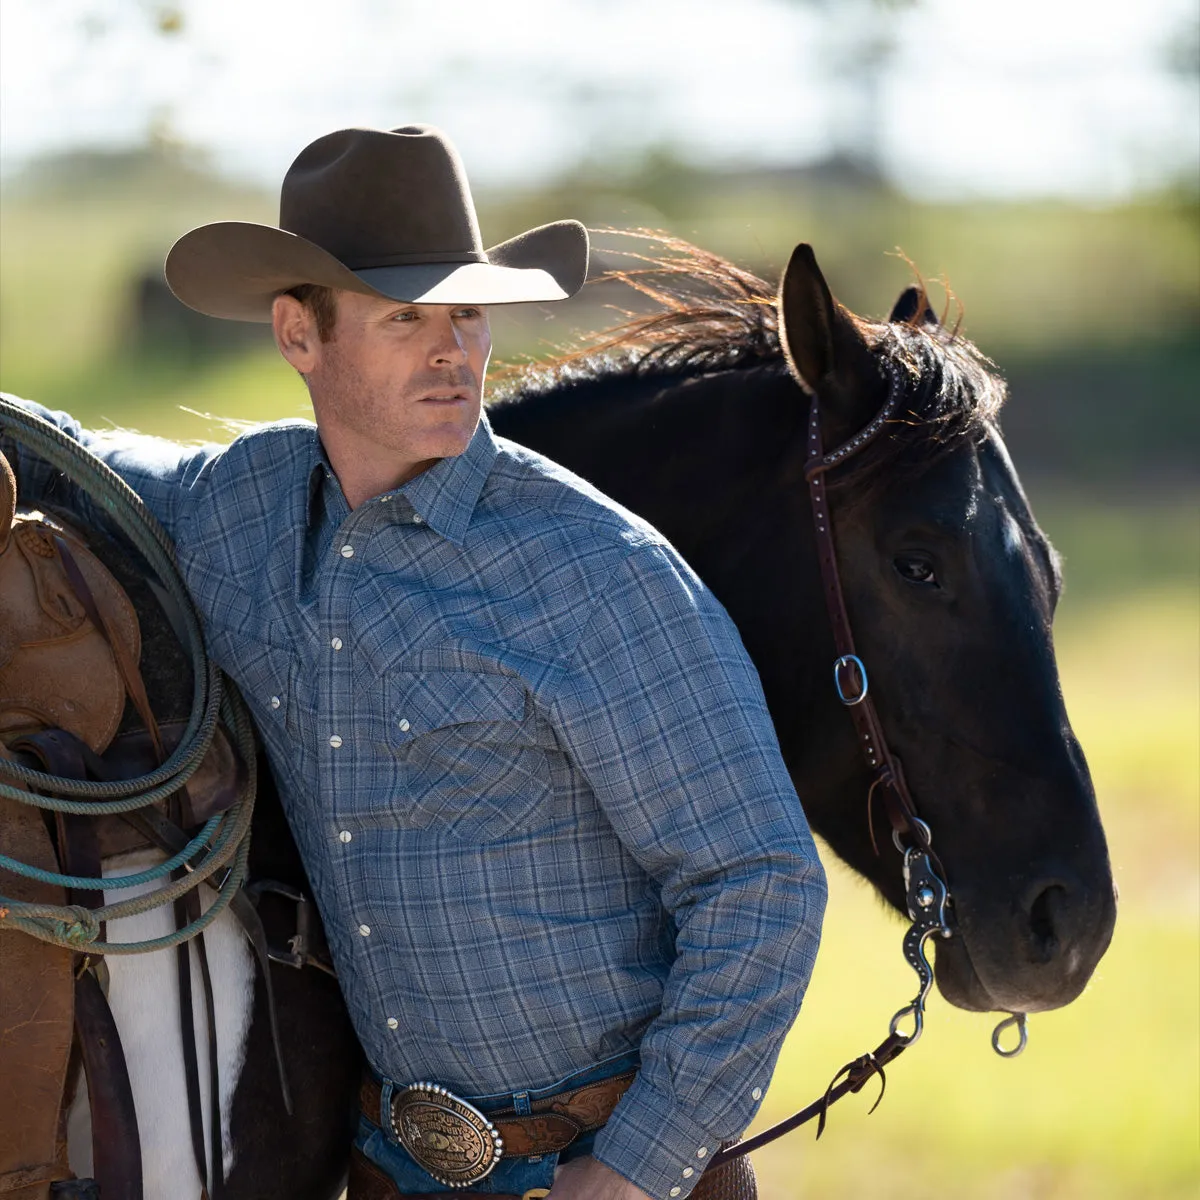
<point x="806" y="317"/>
<point x="824" y="345"/>
<point x="908" y="304"/>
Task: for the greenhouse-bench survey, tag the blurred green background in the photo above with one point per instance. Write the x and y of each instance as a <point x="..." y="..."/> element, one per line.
<point x="1088" y="304"/>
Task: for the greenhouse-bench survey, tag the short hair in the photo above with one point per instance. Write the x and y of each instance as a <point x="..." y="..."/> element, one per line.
<point x="321" y="301"/>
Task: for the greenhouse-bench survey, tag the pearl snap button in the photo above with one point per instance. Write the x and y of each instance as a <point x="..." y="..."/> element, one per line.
<point x="756" y="1094"/>
<point x="336" y="643"/>
<point x="335" y="741"/>
<point x="675" y="1191"/>
<point x="404" y="725"/>
<point x="345" y="836"/>
<point x="347" y="551"/>
<point x="392" y="1023"/>
<point x="365" y="930"/>
<point x="702" y="1152"/>
<point x="275" y="701"/>
<point x="418" y="519"/>
<point x="687" y="1172"/>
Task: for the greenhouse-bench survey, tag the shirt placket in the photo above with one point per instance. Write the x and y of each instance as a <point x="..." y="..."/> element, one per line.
<point x="345" y="771"/>
<point x="337" y="753"/>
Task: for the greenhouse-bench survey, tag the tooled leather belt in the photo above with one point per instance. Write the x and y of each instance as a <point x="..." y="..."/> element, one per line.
<point x="457" y="1144"/>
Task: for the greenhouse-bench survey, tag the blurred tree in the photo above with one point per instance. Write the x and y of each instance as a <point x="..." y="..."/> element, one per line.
<point x="860" y="37"/>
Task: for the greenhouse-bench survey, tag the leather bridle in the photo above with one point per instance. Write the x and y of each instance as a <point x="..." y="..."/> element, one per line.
<point x="926" y="893"/>
<point x="849" y="674"/>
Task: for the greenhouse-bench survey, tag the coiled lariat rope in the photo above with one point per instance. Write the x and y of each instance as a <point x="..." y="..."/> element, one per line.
<point x="224" y="840"/>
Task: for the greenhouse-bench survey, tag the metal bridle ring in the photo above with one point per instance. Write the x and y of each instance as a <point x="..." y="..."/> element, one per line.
<point x="916" y="1010"/>
<point x="1019" y="1020"/>
<point x="841" y="664"/>
<point x="920" y="826"/>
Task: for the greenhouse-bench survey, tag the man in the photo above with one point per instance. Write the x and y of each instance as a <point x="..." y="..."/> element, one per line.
<point x="562" y="869"/>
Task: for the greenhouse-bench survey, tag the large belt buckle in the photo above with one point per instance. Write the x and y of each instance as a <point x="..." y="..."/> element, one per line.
<point x="445" y="1135"/>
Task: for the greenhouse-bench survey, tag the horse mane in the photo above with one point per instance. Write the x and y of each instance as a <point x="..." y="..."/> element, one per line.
<point x="711" y="316"/>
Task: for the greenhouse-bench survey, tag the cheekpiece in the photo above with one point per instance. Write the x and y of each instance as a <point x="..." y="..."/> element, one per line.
<point x="445" y="1135"/>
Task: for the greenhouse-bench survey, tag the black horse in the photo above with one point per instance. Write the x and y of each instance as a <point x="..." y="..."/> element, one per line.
<point x="694" y="417"/>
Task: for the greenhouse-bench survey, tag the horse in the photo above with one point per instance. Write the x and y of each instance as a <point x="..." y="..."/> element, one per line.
<point x="695" y="417"/>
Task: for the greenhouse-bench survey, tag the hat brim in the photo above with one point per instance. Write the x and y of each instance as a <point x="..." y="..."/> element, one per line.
<point x="235" y="269"/>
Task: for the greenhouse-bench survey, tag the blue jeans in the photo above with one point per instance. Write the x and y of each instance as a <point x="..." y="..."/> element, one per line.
<point x="510" y="1175"/>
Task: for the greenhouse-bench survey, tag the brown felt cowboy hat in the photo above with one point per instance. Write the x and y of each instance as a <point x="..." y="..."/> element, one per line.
<point x="378" y="212"/>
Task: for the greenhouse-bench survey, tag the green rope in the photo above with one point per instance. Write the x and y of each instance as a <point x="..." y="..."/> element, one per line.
<point x="116" y="882"/>
<point x="64" y="925"/>
<point x="78" y="929"/>
<point x="224" y="837"/>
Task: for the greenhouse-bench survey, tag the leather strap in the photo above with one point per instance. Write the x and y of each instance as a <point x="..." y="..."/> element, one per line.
<point x="554" y="1123"/>
<point x="116" y="1148"/>
<point x="856" y="1073"/>
<point x="887" y="775"/>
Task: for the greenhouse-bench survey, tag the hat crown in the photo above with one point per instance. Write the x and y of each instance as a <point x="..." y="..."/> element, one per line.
<point x="373" y="198"/>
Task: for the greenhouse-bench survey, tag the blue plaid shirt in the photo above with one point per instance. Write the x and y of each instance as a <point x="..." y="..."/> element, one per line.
<point x="529" y="767"/>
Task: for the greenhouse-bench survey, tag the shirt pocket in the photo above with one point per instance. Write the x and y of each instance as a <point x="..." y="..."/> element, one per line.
<point x="468" y="749"/>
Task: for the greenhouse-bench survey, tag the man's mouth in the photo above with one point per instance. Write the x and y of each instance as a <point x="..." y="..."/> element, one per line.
<point x="445" y="396"/>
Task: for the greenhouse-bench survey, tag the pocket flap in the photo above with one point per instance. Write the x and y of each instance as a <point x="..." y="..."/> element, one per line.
<point x="421" y="701"/>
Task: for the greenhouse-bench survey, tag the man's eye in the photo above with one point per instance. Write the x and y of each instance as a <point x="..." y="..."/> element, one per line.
<point x="914" y="568"/>
<point x="407" y="315"/>
<point x="468" y="314"/>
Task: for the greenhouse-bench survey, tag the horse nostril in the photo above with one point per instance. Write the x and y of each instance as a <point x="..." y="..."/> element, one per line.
<point x="1044" y="936"/>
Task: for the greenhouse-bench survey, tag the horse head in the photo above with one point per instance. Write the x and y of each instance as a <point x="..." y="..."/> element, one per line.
<point x="950" y="588"/>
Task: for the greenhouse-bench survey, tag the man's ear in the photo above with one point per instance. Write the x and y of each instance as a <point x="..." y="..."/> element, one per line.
<point x="295" y="329"/>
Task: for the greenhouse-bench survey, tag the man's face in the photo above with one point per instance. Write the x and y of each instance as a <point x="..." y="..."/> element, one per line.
<point x="406" y="379"/>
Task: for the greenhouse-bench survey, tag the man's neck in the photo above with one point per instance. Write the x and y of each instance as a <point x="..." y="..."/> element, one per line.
<point x="368" y="470"/>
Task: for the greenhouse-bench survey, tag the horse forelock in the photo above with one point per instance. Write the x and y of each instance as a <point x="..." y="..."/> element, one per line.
<point x="953" y="396"/>
<point x="712" y="316"/>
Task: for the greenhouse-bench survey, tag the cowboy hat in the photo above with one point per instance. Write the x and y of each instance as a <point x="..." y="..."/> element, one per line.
<point x="378" y="212"/>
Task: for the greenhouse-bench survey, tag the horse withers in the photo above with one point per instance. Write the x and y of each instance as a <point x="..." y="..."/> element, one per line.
<point x="695" y="417"/>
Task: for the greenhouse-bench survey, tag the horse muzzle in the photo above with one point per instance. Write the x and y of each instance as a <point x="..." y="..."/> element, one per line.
<point x="1037" y="958"/>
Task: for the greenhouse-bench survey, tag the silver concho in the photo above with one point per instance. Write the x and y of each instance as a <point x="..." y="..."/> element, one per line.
<point x="445" y="1136"/>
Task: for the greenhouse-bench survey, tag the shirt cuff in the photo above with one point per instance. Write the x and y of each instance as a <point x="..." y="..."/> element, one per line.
<point x="653" y="1144"/>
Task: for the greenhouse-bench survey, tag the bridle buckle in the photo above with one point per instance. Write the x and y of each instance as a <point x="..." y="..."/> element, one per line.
<point x="846" y="666"/>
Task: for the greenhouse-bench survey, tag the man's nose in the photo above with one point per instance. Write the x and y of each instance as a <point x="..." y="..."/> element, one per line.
<point x="449" y="347"/>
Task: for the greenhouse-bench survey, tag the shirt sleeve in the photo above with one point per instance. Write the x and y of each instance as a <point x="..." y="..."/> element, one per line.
<point x="662" y="710"/>
<point x="165" y="474"/>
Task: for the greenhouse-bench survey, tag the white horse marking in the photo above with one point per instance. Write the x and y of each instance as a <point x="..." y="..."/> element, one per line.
<point x="144" y="997"/>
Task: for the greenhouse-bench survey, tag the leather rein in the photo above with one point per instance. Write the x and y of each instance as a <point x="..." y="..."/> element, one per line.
<point x="926" y="893"/>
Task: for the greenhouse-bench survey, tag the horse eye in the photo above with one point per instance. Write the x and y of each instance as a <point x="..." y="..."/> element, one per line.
<point x="916" y="570"/>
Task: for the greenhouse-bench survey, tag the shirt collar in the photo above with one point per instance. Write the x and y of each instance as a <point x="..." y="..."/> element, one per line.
<point x="445" y="496"/>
